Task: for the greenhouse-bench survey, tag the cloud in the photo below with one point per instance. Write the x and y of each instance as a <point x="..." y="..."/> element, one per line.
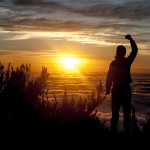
<point x="49" y="4"/>
<point x="23" y="23"/>
<point x="2" y="52"/>
<point x="26" y="20"/>
<point x="40" y="24"/>
<point x="26" y="2"/>
<point x="138" y="10"/>
<point x="111" y="20"/>
<point x="133" y="11"/>
<point x="102" y="34"/>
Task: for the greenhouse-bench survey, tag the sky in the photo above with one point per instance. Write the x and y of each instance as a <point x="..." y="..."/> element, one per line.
<point x="40" y="32"/>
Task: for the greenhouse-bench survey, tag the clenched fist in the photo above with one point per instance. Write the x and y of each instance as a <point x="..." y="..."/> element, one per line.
<point x="128" y="37"/>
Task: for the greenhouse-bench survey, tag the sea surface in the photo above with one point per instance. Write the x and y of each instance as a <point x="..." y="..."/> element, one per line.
<point x="81" y="85"/>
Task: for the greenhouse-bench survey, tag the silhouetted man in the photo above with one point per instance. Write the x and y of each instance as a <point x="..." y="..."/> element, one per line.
<point x="119" y="75"/>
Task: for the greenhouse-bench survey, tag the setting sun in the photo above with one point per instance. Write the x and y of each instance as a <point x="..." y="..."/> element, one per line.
<point x="70" y="63"/>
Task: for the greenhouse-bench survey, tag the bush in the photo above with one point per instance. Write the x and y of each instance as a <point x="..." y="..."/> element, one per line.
<point x="23" y="98"/>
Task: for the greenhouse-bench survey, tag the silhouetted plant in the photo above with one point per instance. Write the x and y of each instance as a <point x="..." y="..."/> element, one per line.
<point x="146" y="127"/>
<point x="19" y="94"/>
<point x="134" y="123"/>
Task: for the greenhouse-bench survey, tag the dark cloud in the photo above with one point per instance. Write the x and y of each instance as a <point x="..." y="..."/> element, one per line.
<point x="50" y="4"/>
<point x="128" y="14"/>
<point x="41" y="24"/>
<point x="26" y="2"/>
<point x="20" y="23"/>
<point x="131" y="10"/>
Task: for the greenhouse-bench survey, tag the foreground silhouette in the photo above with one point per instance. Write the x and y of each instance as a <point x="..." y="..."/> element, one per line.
<point x="29" y="119"/>
<point x="119" y="75"/>
<point x="28" y="116"/>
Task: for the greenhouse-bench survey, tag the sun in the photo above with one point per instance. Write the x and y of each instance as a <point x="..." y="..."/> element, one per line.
<point x="69" y="62"/>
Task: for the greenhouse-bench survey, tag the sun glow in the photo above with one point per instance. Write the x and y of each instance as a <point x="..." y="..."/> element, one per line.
<point x="69" y="62"/>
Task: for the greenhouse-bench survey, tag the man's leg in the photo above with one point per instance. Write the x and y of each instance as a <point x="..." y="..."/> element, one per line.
<point x="127" y="109"/>
<point x="115" y="111"/>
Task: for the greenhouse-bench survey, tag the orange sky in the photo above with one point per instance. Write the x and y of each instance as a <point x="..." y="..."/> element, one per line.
<point x="41" y="32"/>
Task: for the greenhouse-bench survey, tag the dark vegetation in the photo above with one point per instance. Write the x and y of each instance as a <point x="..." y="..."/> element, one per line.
<point x="28" y="117"/>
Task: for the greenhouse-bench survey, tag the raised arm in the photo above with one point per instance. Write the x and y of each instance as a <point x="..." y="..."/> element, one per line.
<point x="134" y="51"/>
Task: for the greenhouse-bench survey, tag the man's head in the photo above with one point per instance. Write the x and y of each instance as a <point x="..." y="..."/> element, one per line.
<point x="121" y="51"/>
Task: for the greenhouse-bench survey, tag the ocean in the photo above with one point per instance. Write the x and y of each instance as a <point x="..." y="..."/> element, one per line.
<point x="81" y="85"/>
